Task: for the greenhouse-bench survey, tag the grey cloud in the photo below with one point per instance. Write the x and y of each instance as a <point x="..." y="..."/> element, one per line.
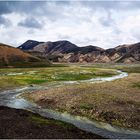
<point x="44" y="7"/>
<point x="86" y="41"/>
<point x="30" y="23"/>
<point x="56" y="9"/>
<point x="107" y="20"/>
<point x="4" y="7"/>
<point x="63" y="36"/>
<point x="4" y="21"/>
<point x="51" y="9"/>
<point x="20" y="6"/>
<point x="136" y="33"/>
<point x="119" y="5"/>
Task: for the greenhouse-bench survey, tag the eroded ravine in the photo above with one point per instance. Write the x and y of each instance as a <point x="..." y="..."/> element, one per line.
<point x="10" y="98"/>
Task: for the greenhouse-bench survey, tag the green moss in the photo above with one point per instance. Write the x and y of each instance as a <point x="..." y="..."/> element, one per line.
<point x="73" y="76"/>
<point x="131" y="69"/>
<point x="82" y="76"/>
<point x="44" y="121"/>
<point x="39" y="120"/>
<point x="50" y="74"/>
<point x="86" y="106"/>
<point x="136" y="85"/>
<point x="35" y="81"/>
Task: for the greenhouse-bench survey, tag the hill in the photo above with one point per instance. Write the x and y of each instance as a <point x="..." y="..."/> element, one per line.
<point x="14" y="57"/>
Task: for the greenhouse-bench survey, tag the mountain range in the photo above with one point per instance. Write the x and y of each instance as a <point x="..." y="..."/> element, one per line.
<point x="65" y="51"/>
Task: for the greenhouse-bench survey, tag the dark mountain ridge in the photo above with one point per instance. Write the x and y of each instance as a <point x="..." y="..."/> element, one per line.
<point x="65" y="51"/>
<point x="63" y="46"/>
<point x="29" y="44"/>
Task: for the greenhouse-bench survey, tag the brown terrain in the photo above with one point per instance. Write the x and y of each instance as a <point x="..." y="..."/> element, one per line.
<point x="65" y="51"/>
<point x="10" y="56"/>
<point x="16" y="123"/>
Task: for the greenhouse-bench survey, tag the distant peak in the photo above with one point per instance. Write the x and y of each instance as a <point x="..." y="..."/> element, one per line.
<point x="32" y="41"/>
<point x="29" y="44"/>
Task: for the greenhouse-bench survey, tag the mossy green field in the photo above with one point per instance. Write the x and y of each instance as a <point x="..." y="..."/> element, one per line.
<point x="14" y="77"/>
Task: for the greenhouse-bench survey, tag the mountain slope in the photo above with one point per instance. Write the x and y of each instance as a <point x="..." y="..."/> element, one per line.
<point x="29" y="44"/>
<point x="65" y="51"/>
<point x="10" y="56"/>
<point x="125" y="53"/>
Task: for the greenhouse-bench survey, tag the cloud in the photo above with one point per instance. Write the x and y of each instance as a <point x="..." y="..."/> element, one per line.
<point x="4" y="21"/>
<point x="101" y="23"/>
<point x="4" y="8"/>
<point x="30" y="23"/>
<point x="20" y="6"/>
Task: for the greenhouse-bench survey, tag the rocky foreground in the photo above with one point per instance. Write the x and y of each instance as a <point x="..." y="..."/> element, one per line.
<point x="15" y="123"/>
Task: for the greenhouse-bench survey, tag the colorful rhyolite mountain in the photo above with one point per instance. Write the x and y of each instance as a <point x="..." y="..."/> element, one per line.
<point x="14" y="57"/>
<point x="65" y="51"/>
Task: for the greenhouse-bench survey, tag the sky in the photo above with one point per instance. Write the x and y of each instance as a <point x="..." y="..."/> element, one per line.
<point x="106" y="24"/>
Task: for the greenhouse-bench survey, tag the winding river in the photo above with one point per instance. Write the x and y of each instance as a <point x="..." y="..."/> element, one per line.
<point x="10" y="98"/>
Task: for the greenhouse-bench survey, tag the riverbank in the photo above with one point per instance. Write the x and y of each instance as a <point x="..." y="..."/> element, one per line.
<point x="21" y="124"/>
<point x="115" y="102"/>
<point x="75" y="92"/>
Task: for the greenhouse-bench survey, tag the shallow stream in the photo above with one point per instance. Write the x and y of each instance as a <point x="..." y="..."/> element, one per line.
<point x="11" y="99"/>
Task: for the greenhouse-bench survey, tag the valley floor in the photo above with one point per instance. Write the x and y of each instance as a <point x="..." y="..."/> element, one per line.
<point x="115" y="102"/>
